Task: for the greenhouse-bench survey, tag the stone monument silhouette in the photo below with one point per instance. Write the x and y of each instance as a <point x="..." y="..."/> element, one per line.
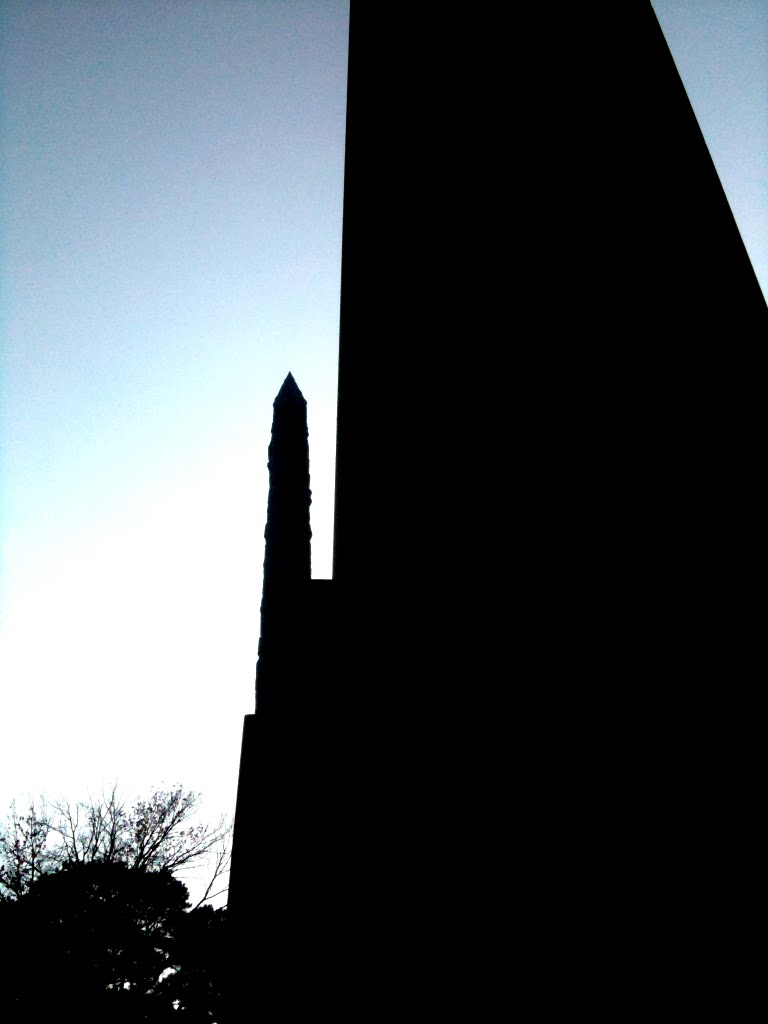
<point x="277" y="888"/>
<point x="530" y="462"/>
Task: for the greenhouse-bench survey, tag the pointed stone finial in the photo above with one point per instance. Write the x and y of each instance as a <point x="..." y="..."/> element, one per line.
<point x="289" y="391"/>
<point x="287" y="534"/>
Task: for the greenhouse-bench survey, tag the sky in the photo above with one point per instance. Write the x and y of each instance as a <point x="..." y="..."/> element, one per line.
<point x="720" y="48"/>
<point x="170" y="231"/>
<point x="170" y="240"/>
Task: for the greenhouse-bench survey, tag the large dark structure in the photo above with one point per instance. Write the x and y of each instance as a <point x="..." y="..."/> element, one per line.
<point x="547" y="415"/>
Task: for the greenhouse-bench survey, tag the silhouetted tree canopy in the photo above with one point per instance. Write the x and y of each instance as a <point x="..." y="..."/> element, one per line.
<point x="110" y="942"/>
<point x="155" y="833"/>
<point x="94" y="925"/>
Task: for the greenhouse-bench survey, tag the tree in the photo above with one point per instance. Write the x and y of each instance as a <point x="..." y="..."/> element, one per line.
<point x="197" y="985"/>
<point x="90" y="904"/>
<point x="151" y="834"/>
<point x="25" y="851"/>
<point x="118" y="942"/>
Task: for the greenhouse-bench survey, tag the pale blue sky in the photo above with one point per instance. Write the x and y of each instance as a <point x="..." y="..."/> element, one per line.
<point x="170" y="222"/>
<point x="720" y="48"/>
<point x="172" y="179"/>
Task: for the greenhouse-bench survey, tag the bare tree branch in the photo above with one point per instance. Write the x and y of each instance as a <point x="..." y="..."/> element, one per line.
<point x="156" y="833"/>
<point x="220" y="867"/>
<point x="24" y="848"/>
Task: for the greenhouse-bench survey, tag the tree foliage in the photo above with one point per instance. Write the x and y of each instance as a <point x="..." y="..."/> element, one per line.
<point x="120" y="940"/>
<point x="91" y="904"/>
<point x="150" y="834"/>
<point x="25" y="851"/>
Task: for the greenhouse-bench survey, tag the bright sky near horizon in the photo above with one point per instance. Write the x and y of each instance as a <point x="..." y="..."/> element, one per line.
<point x="170" y="224"/>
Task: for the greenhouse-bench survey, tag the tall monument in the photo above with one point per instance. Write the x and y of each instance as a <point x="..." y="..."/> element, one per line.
<point x="538" y="446"/>
<point x="287" y="557"/>
<point x="278" y="884"/>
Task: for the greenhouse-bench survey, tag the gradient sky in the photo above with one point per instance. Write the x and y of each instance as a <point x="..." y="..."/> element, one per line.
<point x="720" y="48"/>
<point x="171" y="239"/>
<point x="172" y="176"/>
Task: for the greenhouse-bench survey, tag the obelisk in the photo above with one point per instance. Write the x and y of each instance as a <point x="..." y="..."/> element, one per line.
<point x="266" y="881"/>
